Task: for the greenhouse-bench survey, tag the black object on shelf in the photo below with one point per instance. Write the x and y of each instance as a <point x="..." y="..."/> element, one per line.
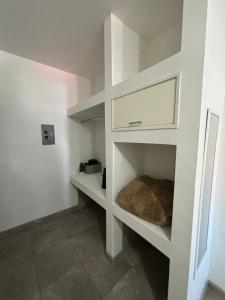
<point x="90" y="167"/>
<point x="82" y="167"/>
<point x="92" y="162"/>
<point x="104" y="179"/>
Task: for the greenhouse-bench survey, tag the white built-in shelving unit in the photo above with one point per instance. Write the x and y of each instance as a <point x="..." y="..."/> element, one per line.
<point x="133" y="63"/>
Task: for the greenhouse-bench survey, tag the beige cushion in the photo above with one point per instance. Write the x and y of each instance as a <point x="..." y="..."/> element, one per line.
<point x="149" y="199"/>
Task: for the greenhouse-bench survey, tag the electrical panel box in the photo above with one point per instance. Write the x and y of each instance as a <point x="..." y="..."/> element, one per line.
<point x="48" y="134"/>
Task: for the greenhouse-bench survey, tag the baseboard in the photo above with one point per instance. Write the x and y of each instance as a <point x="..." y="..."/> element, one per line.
<point x="215" y="288"/>
<point x="58" y="213"/>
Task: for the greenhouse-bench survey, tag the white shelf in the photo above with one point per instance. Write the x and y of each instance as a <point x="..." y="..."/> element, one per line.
<point x="159" y="136"/>
<point x="90" y="184"/>
<point x="89" y="108"/>
<point x="159" y="237"/>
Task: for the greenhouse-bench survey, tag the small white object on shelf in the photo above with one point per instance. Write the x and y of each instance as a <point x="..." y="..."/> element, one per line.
<point x="91" y="185"/>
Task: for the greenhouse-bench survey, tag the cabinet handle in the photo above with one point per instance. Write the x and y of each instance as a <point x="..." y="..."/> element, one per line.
<point x="136" y="123"/>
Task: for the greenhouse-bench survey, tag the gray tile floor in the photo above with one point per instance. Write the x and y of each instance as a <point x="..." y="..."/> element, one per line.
<point x="63" y="257"/>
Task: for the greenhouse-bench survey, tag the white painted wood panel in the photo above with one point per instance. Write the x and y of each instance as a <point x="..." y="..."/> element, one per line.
<point x="148" y="108"/>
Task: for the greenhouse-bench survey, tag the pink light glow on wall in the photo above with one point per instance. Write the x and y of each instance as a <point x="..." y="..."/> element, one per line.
<point x="56" y="73"/>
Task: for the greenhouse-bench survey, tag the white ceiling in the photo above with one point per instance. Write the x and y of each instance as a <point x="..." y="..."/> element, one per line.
<point x="68" y="34"/>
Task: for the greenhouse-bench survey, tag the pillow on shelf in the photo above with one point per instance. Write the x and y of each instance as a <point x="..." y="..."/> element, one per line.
<point x="149" y="199"/>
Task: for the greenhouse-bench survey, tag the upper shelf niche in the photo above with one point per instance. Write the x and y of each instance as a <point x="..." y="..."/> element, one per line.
<point x="134" y="51"/>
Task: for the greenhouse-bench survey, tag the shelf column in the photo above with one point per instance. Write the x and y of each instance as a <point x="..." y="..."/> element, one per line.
<point x="114" y="232"/>
<point x="183" y="284"/>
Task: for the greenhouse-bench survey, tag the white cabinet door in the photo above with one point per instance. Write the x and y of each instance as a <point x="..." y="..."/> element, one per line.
<point x="149" y="108"/>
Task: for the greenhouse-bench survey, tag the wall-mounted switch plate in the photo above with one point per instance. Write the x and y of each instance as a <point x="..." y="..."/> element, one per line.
<point x="48" y="134"/>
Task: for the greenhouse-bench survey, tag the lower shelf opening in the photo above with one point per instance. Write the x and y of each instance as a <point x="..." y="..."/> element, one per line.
<point x="159" y="237"/>
<point x="145" y="269"/>
<point x="151" y="267"/>
<point x="96" y="213"/>
<point x="133" y="160"/>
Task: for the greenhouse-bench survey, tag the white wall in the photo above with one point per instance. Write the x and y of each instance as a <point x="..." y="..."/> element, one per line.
<point x="160" y="161"/>
<point x="215" y="91"/>
<point x="98" y="84"/>
<point x="165" y="45"/>
<point x="213" y="94"/>
<point x="99" y="141"/>
<point x="78" y="89"/>
<point x="34" y="179"/>
<point x="129" y="51"/>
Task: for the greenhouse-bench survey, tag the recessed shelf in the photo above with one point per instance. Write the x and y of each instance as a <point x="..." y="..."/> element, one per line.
<point x="89" y="108"/>
<point x="159" y="237"/>
<point x="90" y="184"/>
